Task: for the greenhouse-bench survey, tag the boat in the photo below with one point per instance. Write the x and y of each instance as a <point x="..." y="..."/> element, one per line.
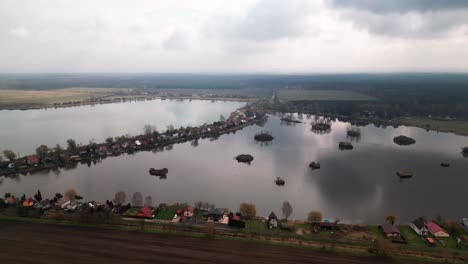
<point x="404" y="174"/>
<point x="279" y="181"/>
<point x="314" y="165"/>
<point x="162" y="172"/>
<point x="445" y="164"/>
<point x="345" y="145"/>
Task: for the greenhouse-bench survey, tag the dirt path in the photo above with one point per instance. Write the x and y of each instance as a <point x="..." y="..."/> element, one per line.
<point x="41" y="243"/>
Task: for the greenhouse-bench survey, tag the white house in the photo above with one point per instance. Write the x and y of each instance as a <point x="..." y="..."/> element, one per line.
<point x="419" y="226"/>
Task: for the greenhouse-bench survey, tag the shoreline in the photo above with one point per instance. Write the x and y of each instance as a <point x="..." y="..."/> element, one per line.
<point x="102" y="101"/>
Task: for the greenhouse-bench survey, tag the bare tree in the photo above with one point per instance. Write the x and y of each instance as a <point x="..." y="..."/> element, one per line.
<point x="287" y="209"/>
<point x="137" y="199"/>
<point x="314" y="216"/>
<point x="120" y="197"/>
<point x="148" y="129"/>
<point x="71" y="194"/>
<point x="149" y="201"/>
<point x="248" y="210"/>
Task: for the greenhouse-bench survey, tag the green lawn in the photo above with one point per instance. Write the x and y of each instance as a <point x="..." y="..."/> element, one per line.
<point x="375" y="230"/>
<point x="167" y="214"/>
<point x="257" y="225"/>
<point x="322" y="95"/>
<point x="457" y="126"/>
<point x="411" y="236"/>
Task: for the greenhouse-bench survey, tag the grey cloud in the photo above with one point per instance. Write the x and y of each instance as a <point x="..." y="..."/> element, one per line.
<point x="405" y="18"/>
<point x="269" y="20"/>
<point x="400" y="6"/>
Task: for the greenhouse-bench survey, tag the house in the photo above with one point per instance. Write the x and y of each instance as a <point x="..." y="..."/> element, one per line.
<point x="326" y="225"/>
<point x="103" y="149"/>
<point x="436" y="230"/>
<point x="63" y="202"/>
<point x="32" y="160"/>
<point x="214" y="214"/>
<point x="272" y="220"/>
<point x="390" y="231"/>
<point x="189" y="211"/>
<point x="28" y="202"/>
<point x="464" y="223"/>
<point x="419" y="226"/>
<point x="145" y="212"/>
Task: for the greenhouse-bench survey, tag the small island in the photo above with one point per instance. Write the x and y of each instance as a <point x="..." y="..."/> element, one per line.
<point x="314" y="165"/>
<point x="321" y="126"/>
<point x="403" y="140"/>
<point x="465" y="151"/>
<point x="245" y="158"/>
<point x="263" y="136"/>
<point x="290" y="120"/>
<point x="343" y="145"/>
<point x="161" y="173"/>
<point x="279" y="181"/>
<point x="404" y="174"/>
<point x="353" y="132"/>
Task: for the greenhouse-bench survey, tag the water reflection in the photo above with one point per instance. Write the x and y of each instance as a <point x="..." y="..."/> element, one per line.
<point x="355" y="186"/>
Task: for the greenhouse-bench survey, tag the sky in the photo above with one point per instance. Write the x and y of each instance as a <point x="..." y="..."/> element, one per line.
<point x="287" y="36"/>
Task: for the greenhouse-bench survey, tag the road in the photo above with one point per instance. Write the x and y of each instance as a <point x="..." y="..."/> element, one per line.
<point x="44" y="243"/>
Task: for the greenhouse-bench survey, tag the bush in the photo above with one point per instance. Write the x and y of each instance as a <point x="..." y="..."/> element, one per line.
<point x="314" y="216"/>
<point x="381" y="248"/>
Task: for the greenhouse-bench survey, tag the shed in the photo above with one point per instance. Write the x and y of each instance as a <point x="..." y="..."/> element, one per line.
<point x="390" y="230"/>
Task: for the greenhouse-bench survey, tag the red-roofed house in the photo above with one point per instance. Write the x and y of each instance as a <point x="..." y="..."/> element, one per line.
<point x="436" y="230"/>
<point x="32" y="160"/>
<point x="145" y="212"/>
<point x="189" y="211"/>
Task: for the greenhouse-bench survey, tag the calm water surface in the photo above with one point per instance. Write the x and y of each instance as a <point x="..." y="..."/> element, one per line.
<point x="358" y="186"/>
<point x="24" y="131"/>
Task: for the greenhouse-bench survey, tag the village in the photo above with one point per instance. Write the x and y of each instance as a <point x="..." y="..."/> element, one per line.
<point x="47" y="158"/>
<point x="422" y="236"/>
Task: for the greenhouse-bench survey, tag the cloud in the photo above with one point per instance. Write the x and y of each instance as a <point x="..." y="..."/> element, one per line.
<point x="20" y="32"/>
<point x="176" y="41"/>
<point x="400" y="6"/>
<point x="268" y="20"/>
<point x="405" y="18"/>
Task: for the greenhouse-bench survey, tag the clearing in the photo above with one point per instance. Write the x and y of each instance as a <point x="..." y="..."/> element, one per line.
<point x="322" y="95"/>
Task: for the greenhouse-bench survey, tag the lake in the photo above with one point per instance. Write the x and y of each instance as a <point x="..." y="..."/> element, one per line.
<point x="24" y="131"/>
<point x="357" y="186"/>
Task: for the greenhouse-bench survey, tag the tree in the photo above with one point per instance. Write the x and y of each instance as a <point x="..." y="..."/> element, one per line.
<point x="170" y="128"/>
<point x="71" y="143"/>
<point x="120" y="197"/>
<point x="149" y="201"/>
<point x="453" y="228"/>
<point x="58" y="196"/>
<point x="148" y="129"/>
<point x="42" y="151"/>
<point x="9" y="154"/>
<point x="38" y="196"/>
<point x="137" y="199"/>
<point x="71" y="194"/>
<point x="7" y="195"/>
<point x="109" y="140"/>
<point x="314" y="216"/>
<point x="1" y="159"/>
<point x="248" y="210"/>
<point x="58" y="149"/>
<point x="287" y="209"/>
<point x="391" y="219"/>
<point x="222" y="118"/>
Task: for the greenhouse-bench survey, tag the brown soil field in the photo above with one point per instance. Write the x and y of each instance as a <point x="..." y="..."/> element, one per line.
<point x="46" y="243"/>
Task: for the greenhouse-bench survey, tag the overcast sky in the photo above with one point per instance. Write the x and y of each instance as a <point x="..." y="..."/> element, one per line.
<point x="233" y="36"/>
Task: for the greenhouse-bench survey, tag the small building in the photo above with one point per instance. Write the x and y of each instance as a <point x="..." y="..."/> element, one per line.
<point x="32" y="160"/>
<point x="390" y="231"/>
<point x="189" y="211"/>
<point x="215" y="214"/>
<point x="436" y="230"/>
<point x="272" y="220"/>
<point x="326" y="225"/>
<point x="145" y="212"/>
<point x="419" y="226"/>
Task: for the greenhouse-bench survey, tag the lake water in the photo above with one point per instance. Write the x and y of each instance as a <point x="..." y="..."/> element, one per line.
<point x="357" y="186"/>
<point x="24" y="131"/>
